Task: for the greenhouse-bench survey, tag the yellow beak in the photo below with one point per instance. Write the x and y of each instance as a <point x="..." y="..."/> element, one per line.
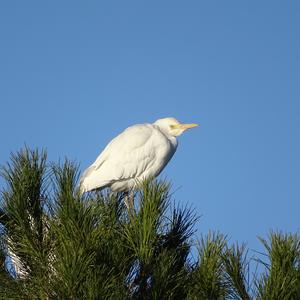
<point x="184" y="126"/>
<point x="188" y="126"/>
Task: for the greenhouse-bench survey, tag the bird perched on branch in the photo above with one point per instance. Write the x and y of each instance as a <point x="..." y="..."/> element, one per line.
<point x="141" y="151"/>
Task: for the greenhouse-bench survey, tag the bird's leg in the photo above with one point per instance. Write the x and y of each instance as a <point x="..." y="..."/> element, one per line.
<point x="129" y="202"/>
<point x="126" y="200"/>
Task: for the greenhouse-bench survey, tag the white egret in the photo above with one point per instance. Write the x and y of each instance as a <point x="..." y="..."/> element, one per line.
<point x="139" y="152"/>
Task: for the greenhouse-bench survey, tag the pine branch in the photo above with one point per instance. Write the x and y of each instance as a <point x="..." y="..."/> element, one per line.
<point x="67" y="246"/>
<point x="281" y="278"/>
<point x="236" y="266"/>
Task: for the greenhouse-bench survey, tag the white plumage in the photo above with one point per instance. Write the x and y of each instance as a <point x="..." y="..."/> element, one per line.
<point x="139" y="152"/>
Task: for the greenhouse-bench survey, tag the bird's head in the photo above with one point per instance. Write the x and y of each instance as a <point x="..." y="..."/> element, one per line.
<point x="173" y="127"/>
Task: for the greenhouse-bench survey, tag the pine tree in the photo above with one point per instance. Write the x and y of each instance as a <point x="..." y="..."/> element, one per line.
<point x="58" y="244"/>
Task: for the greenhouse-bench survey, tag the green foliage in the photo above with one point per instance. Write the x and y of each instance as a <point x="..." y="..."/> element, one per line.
<point x="236" y="265"/>
<point x="58" y="244"/>
<point x="281" y="279"/>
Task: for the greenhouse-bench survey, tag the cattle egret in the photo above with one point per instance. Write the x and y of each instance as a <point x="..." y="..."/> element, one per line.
<point x="139" y="152"/>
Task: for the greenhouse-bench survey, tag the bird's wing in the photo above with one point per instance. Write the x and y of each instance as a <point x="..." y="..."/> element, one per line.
<point x="140" y="149"/>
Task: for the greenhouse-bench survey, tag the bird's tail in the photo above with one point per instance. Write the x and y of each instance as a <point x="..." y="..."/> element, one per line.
<point x="83" y="180"/>
<point x="81" y="189"/>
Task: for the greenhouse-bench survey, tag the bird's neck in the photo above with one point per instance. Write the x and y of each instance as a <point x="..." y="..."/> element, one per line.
<point x="171" y="138"/>
<point x="173" y="141"/>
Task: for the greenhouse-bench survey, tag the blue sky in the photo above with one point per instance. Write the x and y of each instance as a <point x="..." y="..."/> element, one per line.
<point x="75" y="73"/>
